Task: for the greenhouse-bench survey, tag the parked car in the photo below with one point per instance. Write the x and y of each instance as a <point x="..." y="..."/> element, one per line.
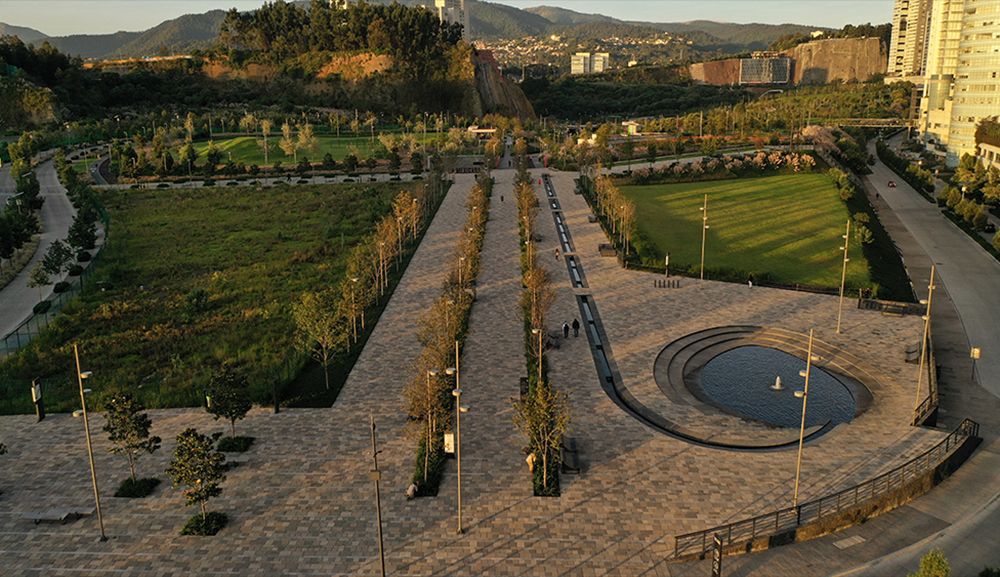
<point x="892" y="184"/>
<point x="990" y="227"/>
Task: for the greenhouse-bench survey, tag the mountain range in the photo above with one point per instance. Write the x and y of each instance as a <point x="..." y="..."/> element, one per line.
<point x="486" y="20"/>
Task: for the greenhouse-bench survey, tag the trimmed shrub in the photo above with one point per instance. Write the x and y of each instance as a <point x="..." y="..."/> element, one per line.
<point x="137" y="489"/>
<point x="82" y="256"/>
<point x="42" y="307"/>
<point x="75" y="270"/>
<point x="211" y="524"/>
<point x="238" y="444"/>
<point x="61" y="287"/>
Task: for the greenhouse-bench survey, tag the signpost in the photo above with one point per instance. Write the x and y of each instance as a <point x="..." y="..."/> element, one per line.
<point x="974" y="355"/>
<point x="36" y="397"/>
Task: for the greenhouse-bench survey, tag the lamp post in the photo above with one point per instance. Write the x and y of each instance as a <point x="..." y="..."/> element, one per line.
<point x="377" y="476"/>
<point x="90" y="450"/>
<point x="399" y="234"/>
<point x="354" y="311"/>
<point x="459" y="409"/>
<point x="461" y="266"/>
<point x="804" y="395"/>
<point x="843" y="275"/>
<point x="539" y="333"/>
<point x="704" y="227"/>
<point x="381" y="269"/>
<point x="923" y="344"/>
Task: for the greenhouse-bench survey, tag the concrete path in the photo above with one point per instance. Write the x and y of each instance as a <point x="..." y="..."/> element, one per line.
<point x="16" y="299"/>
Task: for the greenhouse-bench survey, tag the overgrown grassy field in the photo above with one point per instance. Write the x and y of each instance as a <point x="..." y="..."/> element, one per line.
<point x="246" y="150"/>
<point x="252" y="250"/>
<point x="789" y="226"/>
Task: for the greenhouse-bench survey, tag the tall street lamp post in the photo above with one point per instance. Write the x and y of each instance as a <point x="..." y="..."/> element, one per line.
<point x="376" y="477"/>
<point x="923" y="344"/>
<point x="459" y="409"/>
<point x="354" y="310"/>
<point x="704" y="227"/>
<point x="843" y="275"/>
<point x="90" y="450"/>
<point x="804" y="395"/>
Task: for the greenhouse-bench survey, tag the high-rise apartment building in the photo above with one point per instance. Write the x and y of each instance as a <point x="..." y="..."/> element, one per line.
<point x="911" y="20"/>
<point x="962" y="83"/>
<point x="587" y="63"/>
<point x="454" y="12"/>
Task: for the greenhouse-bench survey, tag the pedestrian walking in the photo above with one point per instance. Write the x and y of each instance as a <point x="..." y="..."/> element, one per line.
<point x="750" y="281"/>
<point x="501" y="199"/>
<point x="576" y="328"/>
<point x="557" y="254"/>
<point x="565" y="330"/>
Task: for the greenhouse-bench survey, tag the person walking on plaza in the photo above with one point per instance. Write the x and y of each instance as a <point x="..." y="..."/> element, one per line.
<point x="565" y="330"/>
<point x="576" y="328"/>
<point x="557" y="254"/>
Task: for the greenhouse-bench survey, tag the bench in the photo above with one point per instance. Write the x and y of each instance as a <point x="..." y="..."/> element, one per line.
<point x="607" y="250"/>
<point x="592" y="218"/>
<point x="570" y="456"/>
<point x="59" y="514"/>
<point x="236" y="461"/>
<point x="912" y="353"/>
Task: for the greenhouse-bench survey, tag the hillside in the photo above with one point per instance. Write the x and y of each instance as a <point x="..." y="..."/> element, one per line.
<point x="94" y="45"/>
<point x="487" y="20"/>
<point x="563" y="16"/>
<point x="25" y="34"/>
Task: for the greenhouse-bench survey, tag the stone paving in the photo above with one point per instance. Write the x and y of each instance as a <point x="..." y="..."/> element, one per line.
<point x="304" y="503"/>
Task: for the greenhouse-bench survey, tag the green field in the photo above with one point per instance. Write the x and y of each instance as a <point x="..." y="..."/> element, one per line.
<point x="788" y="226"/>
<point x="246" y="150"/>
<point x="252" y="250"/>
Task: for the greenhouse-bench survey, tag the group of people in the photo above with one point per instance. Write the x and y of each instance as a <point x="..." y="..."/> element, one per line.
<point x="576" y="329"/>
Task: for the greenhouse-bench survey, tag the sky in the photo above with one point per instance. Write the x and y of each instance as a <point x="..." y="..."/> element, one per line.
<point x="65" y="17"/>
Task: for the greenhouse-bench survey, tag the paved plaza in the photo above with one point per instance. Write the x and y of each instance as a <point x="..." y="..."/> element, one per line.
<point x="304" y="503"/>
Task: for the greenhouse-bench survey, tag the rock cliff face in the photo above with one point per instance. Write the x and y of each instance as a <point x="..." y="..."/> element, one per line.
<point x="840" y="58"/>
<point x="495" y="93"/>
<point x="816" y="62"/>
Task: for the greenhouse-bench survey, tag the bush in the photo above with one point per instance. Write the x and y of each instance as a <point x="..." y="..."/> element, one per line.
<point x="137" y="489"/>
<point x="435" y="467"/>
<point x="239" y="444"/>
<point x="163" y="185"/>
<point x="42" y="307"/>
<point x="207" y="526"/>
<point x="208" y="182"/>
<point x="61" y="287"/>
<point x="82" y="256"/>
<point x="75" y="270"/>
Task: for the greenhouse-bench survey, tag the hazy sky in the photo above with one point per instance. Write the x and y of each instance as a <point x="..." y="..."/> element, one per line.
<point x="64" y="17"/>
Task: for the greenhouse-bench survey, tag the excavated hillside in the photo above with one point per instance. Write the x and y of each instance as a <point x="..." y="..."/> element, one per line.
<point x="495" y="93"/>
<point x="816" y="62"/>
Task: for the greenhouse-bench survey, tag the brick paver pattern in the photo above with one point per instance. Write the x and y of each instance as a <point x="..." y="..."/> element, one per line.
<point x="304" y="503"/>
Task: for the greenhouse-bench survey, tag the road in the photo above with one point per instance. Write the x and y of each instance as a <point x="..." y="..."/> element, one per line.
<point x="16" y="299"/>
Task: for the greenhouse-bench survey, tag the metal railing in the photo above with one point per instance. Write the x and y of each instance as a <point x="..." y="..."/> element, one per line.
<point x="747" y="530"/>
<point x="928" y="405"/>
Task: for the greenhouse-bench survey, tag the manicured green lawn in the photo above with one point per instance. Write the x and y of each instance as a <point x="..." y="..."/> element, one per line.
<point x="252" y="250"/>
<point x="246" y="150"/>
<point x="789" y="226"/>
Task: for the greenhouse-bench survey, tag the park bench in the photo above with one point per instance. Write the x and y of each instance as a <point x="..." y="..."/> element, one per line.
<point x="59" y="514"/>
<point x="607" y="250"/>
<point x="912" y="353"/>
<point x="570" y="455"/>
<point x="236" y="460"/>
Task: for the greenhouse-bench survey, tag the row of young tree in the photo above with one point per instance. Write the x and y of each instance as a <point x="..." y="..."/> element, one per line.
<point x="442" y="331"/>
<point x="18" y="221"/>
<point x="542" y="415"/>
<point x="64" y="255"/>
<point x="329" y="321"/>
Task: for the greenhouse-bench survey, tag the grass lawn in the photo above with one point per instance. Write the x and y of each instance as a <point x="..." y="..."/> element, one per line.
<point x="245" y="148"/>
<point x="788" y="226"/>
<point x="252" y="250"/>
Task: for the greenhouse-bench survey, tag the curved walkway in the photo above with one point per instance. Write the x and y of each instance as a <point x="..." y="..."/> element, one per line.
<point x="16" y="299"/>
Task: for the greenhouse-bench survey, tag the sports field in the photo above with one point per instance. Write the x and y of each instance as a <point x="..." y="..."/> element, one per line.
<point x="789" y="226"/>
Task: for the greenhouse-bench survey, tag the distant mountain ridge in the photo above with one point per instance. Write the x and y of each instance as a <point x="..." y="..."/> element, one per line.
<point x="487" y="20"/>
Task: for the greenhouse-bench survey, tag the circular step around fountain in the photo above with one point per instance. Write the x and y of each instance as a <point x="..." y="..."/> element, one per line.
<point x="715" y="388"/>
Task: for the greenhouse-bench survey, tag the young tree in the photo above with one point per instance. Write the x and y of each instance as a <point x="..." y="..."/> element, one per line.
<point x="307" y="140"/>
<point x="265" y="129"/>
<point x="82" y="233"/>
<point x="38" y="278"/>
<point x="229" y="399"/>
<point x="303" y="167"/>
<point x="321" y="328"/>
<point x="328" y="162"/>
<point x="651" y="152"/>
<point x="56" y="258"/>
<point x="198" y="466"/>
<point x="543" y="417"/>
<point x="628" y="149"/>
<point x="288" y="144"/>
<point x="933" y="564"/>
<point x="128" y="428"/>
